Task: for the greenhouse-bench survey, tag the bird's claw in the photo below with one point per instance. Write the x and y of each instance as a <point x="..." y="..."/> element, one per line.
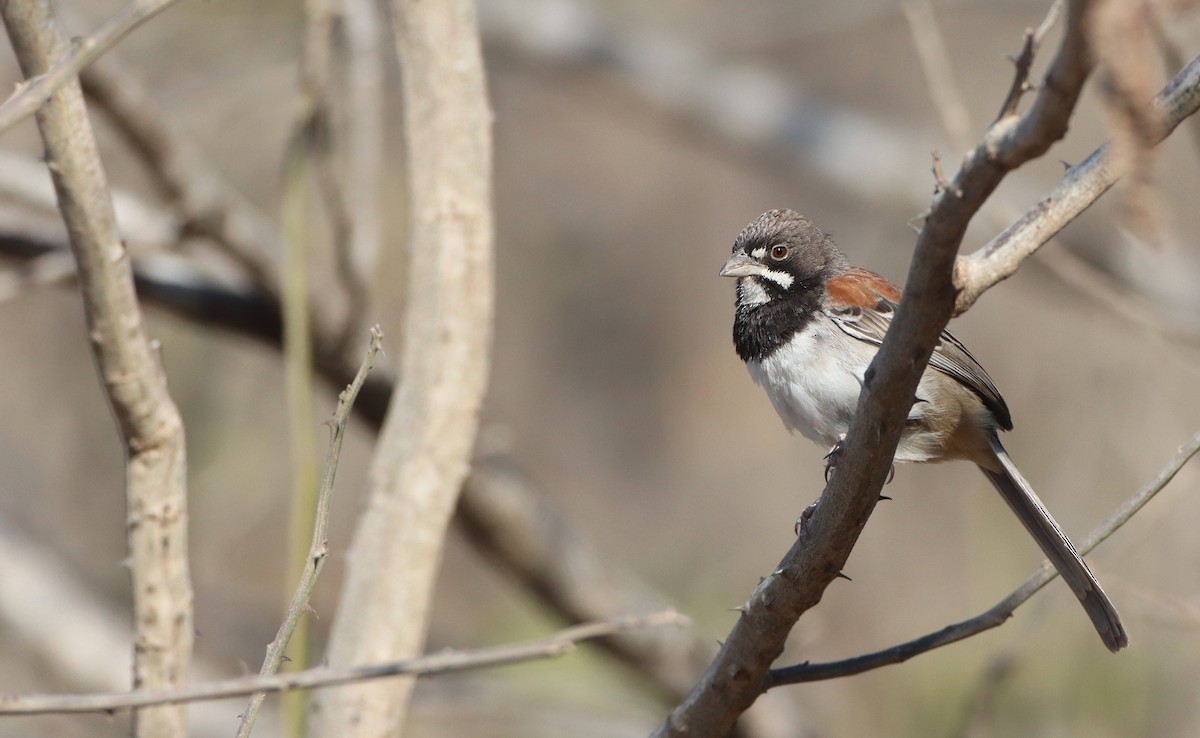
<point x="831" y="458"/>
<point x="801" y="527"/>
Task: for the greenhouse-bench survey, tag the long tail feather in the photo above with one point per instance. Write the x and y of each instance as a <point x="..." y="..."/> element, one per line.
<point x="1054" y="543"/>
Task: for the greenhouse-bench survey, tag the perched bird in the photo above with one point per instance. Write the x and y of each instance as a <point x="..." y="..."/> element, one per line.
<point x="808" y="324"/>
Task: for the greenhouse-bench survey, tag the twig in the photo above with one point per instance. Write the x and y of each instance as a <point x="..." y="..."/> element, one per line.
<point x="558" y="644"/>
<point x="35" y="91"/>
<point x="1023" y="62"/>
<point x="999" y="612"/>
<point x="738" y="675"/>
<point x="1079" y="188"/>
<point x="319" y="548"/>
<point x="133" y="379"/>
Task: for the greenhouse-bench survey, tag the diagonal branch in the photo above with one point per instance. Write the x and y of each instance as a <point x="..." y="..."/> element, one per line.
<point x="1081" y="186"/>
<point x="134" y="382"/>
<point x="36" y="90"/>
<point x="998" y="613"/>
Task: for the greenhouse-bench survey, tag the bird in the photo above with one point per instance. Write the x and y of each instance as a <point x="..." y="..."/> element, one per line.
<point x="807" y="324"/>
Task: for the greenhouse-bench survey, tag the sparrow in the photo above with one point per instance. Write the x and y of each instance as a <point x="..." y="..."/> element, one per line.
<point x="808" y="324"/>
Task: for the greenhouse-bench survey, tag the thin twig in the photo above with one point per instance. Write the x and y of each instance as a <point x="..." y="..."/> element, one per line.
<point x="1023" y="62"/>
<point x="998" y="613"/>
<point x="319" y="548"/>
<point x="35" y="91"/>
<point x="558" y="644"/>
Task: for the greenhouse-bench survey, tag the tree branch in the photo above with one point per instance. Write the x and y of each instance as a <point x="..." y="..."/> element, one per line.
<point x="1081" y="186"/>
<point x="424" y="448"/>
<point x="36" y="90"/>
<point x="135" y="384"/>
<point x="999" y="612"/>
<point x="440" y="663"/>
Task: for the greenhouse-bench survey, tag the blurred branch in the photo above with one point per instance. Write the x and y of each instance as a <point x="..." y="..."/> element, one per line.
<point x="739" y="674"/>
<point x="931" y="51"/>
<point x="319" y="547"/>
<point x="444" y="662"/>
<point x="1082" y="185"/>
<point x="209" y="205"/>
<point x="36" y="90"/>
<point x="499" y="511"/>
<point x="134" y="382"/>
<point x="364" y="146"/>
<point x="424" y="448"/>
<point x="999" y="612"/>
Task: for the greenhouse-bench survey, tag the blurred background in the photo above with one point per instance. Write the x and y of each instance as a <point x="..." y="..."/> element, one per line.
<point x="633" y="142"/>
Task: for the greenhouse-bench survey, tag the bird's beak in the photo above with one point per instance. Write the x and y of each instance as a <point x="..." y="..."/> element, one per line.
<point x="740" y="265"/>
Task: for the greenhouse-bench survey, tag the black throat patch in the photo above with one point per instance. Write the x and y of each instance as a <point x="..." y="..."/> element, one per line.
<point x="760" y="329"/>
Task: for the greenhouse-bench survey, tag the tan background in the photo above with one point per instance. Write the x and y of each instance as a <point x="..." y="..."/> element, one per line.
<point x="616" y="385"/>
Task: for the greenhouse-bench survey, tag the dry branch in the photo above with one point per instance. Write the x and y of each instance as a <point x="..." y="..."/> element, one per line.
<point x="35" y="91"/>
<point x="133" y="380"/>
<point x="424" y="448"/>
<point x="1002" y="610"/>
<point x="440" y="663"/>
<point x="1081" y="186"/>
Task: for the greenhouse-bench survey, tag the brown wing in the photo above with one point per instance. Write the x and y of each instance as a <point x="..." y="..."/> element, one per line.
<point x="863" y="303"/>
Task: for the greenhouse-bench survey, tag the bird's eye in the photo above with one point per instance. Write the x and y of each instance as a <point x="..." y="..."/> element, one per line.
<point x="779" y="253"/>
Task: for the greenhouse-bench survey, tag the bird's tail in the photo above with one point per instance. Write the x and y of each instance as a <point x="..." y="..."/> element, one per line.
<point x="1054" y="544"/>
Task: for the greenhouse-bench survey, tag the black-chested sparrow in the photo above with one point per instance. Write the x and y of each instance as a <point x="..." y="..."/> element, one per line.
<point x="807" y="326"/>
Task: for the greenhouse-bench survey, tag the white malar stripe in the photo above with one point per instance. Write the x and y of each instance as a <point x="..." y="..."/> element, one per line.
<point x="751" y="293"/>
<point x="783" y="279"/>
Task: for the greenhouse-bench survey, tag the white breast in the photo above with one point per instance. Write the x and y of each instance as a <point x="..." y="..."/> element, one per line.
<point x="814" y="386"/>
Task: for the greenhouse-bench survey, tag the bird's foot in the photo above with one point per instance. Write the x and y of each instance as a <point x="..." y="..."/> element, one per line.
<point x="802" y="521"/>
<point x="831" y="458"/>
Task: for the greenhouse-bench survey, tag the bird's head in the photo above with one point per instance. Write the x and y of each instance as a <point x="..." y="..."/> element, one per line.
<point x="781" y="253"/>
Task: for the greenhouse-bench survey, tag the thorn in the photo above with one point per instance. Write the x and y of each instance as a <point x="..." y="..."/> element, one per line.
<point x="841" y="575"/>
<point x="884" y="497"/>
<point x="939" y="179"/>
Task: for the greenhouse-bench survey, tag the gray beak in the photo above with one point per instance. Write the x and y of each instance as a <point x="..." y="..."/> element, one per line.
<point x="740" y="265"/>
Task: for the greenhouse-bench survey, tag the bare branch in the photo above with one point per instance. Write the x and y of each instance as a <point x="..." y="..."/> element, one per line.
<point x="133" y="379"/>
<point x="1082" y="185"/>
<point x="425" y="446"/>
<point x="999" y="612"/>
<point x="445" y="662"/>
<point x="35" y="91"/>
<point x="319" y="548"/>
